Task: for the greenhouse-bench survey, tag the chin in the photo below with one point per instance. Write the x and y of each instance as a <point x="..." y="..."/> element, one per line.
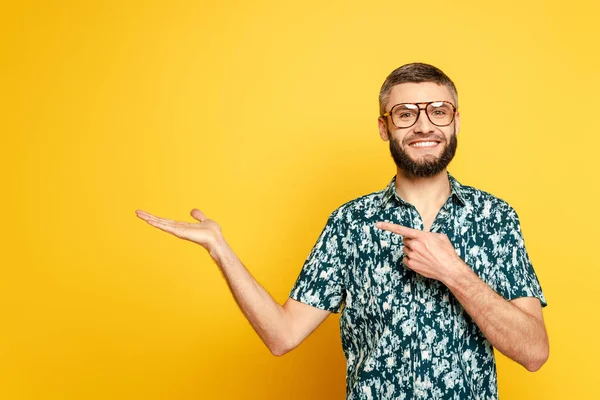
<point x="425" y="158"/>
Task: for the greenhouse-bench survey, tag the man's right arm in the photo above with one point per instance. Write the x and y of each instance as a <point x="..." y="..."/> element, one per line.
<point x="281" y="328"/>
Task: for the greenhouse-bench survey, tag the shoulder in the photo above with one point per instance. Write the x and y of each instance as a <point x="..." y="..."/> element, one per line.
<point x="364" y="206"/>
<point x="485" y="205"/>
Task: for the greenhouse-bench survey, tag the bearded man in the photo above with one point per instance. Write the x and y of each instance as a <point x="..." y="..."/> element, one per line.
<point x="429" y="275"/>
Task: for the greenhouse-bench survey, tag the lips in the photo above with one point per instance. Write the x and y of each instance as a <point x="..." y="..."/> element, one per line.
<point x="424" y="143"/>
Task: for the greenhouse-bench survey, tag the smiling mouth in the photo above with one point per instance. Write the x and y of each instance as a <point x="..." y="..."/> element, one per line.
<point x="424" y="144"/>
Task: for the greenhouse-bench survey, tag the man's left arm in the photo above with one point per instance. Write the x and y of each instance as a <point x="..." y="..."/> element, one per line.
<point x="515" y="328"/>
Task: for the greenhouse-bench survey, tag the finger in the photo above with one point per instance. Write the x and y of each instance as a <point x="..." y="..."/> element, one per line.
<point x="406" y="261"/>
<point x="147" y="216"/>
<point x="399" y="229"/>
<point x="411" y="253"/>
<point x="176" y="224"/>
<point x="199" y="215"/>
<point x="412" y="262"/>
<point x="166" y="226"/>
<point x="417" y="266"/>
<point x="414" y="244"/>
<point x="414" y="256"/>
<point x="143" y="214"/>
<point x="408" y="241"/>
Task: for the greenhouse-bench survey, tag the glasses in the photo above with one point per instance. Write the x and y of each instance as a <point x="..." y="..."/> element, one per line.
<point x="405" y="115"/>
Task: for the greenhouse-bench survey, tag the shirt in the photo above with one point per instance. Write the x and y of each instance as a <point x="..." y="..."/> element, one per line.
<point x="406" y="336"/>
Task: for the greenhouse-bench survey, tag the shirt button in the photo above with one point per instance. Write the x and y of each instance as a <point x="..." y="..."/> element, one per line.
<point x="422" y="300"/>
<point x="422" y="346"/>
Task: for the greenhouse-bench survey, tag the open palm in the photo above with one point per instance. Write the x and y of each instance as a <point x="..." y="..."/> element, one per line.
<point x="206" y="232"/>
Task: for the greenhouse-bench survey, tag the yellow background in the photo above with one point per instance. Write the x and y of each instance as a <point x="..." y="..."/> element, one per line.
<point x="263" y="115"/>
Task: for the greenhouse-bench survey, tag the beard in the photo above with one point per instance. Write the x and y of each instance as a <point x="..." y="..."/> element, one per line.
<point x="429" y="165"/>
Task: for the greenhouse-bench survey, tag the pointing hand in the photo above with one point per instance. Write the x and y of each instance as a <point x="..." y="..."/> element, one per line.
<point x="427" y="253"/>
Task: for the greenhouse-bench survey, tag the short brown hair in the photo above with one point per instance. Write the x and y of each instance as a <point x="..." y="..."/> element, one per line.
<point x="414" y="73"/>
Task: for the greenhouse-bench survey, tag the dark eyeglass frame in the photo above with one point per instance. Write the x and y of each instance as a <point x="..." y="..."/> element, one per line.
<point x="389" y="113"/>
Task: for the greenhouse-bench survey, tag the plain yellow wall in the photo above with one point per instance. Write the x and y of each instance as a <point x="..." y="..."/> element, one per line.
<point x="263" y="114"/>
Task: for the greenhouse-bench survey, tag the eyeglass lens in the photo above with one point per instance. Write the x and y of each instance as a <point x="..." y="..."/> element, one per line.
<point x="440" y="113"/>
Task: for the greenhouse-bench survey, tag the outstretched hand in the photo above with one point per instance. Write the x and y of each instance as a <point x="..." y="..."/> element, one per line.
<point x="206" y="232"/>
<point x="427" y="253"/>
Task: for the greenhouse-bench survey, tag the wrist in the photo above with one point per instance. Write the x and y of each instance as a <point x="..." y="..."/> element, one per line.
<point x="458" y="275"/>
<point x="219" y="249"/>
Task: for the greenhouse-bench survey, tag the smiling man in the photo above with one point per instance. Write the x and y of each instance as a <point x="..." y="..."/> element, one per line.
<point x="430" y="275"/>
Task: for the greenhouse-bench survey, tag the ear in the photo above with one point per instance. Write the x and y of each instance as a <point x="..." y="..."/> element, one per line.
<point x="383" y="129"/>
<point x="457" y="122"/>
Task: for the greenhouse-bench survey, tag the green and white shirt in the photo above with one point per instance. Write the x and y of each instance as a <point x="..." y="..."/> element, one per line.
<point x="406" y="336"/>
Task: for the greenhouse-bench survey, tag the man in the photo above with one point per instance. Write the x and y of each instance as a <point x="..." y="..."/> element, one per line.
<point x="433" y="274"/>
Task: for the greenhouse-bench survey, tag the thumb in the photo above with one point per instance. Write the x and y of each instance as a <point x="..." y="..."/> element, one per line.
<point x="199" y="215"/>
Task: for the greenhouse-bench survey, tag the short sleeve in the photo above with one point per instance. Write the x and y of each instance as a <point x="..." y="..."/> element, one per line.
<point x="320" y="282"/>
<point x="515" y="276"/>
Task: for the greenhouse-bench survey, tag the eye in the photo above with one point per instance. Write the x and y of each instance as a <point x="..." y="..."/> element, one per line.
<point x="439" y="110"/>
<point x="405" y="112"/>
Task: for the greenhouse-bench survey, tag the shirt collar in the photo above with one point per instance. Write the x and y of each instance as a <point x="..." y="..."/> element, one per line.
<point x="455" y="187"/>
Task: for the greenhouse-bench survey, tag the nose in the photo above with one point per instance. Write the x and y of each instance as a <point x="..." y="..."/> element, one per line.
<point x="423" y="124"/>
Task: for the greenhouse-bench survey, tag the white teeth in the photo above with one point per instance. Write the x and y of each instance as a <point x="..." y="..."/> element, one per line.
<point x="423" y="144"/>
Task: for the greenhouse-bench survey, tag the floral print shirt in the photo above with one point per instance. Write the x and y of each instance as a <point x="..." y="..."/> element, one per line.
<point x="406" y="336"/>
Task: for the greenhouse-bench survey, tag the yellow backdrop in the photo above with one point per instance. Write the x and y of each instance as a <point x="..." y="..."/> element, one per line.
<point x="263" y="115"/>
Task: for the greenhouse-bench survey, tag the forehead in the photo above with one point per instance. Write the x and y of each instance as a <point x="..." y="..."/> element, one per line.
<point x="418" y="93"/>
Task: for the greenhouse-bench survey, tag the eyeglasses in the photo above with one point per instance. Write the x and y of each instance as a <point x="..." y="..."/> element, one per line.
<point x="405" y="115"/>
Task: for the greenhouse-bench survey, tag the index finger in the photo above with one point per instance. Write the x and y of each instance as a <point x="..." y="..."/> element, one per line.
<point x="399" y="229"/>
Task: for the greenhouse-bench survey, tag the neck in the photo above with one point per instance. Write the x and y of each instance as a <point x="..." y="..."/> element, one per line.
<point x="426" y="194"/>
